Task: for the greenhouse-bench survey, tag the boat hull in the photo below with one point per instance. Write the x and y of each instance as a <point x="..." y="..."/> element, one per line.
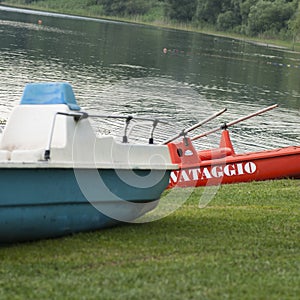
<point x="40" y="203"/>
<point x="254" y="166"/>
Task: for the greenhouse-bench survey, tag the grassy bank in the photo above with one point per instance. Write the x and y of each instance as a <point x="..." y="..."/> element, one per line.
<point x="154" y="18"/>
<point x="244" y="245"/>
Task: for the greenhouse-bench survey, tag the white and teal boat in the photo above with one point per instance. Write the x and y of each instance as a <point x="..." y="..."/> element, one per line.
<point x="58" y="177"/>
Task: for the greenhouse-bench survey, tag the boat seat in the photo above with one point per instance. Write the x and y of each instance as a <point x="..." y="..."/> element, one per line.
<point x="29" y="128"/>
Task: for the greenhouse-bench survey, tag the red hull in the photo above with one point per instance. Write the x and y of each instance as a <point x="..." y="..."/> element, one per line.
<point x="223" y="166"/>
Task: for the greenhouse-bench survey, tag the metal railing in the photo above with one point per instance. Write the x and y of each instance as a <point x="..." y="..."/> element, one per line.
<point x="83" y="115"/>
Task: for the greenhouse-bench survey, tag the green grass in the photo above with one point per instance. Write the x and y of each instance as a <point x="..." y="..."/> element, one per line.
<point x="244" y="245"/>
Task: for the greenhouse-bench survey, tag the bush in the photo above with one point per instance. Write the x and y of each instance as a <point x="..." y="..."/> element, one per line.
<point x="226" y="21"/>
<point x="183" y="10"/>
<point x="125" y="7"/>
<point x="267" y="16"/>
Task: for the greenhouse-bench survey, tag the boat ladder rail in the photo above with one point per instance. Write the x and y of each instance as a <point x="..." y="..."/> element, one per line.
<point x="78" y="116"/>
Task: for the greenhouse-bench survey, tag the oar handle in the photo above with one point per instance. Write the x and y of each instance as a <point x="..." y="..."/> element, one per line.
<point x="226" y="125"/>
<point x="205" y="121"/>
<point x="205" y="133"/>
<point x="186" y="131"/>
<point x="252" y="115"/>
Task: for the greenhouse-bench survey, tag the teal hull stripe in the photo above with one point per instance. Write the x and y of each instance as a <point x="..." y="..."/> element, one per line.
<point x="44" y="203"/>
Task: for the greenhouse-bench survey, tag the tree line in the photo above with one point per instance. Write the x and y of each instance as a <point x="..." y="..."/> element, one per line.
<point x="265" y="18"/>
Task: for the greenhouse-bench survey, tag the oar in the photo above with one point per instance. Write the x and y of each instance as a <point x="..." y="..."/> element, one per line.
<point x="186" y="131"/>
<point x="226" y="125"/>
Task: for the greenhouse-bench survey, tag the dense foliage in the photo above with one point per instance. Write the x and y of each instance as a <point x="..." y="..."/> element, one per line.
<point x="250" y="17"/>
<point x="268" y="18"/>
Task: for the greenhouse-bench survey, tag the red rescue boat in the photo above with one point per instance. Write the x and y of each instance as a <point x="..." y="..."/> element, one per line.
<point x="222" y="165"/>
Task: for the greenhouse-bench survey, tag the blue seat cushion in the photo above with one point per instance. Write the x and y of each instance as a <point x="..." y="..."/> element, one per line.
<point x="49" y="93"/>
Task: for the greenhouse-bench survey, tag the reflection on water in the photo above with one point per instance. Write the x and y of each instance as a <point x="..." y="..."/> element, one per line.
<point x="36" y="27"/>
<point x="119" y="69"/>
<point x="183" y="106"/>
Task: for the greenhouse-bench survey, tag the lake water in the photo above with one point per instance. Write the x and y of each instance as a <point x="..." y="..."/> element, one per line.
<point x="121" y="69"/>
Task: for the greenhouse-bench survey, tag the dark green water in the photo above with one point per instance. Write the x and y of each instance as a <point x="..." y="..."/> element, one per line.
<point x="119" y="68"/>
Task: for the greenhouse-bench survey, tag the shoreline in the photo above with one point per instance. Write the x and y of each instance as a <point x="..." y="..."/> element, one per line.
<point x="269" y="43"/>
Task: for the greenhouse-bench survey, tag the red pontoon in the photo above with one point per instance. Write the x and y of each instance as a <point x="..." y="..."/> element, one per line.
<point x="222" y="165"/>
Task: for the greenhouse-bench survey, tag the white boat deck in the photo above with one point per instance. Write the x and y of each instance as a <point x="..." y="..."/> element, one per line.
<point x="32" y="129"/>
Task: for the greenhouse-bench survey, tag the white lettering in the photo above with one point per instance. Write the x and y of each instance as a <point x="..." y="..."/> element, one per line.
<point x="217" y="171"/>
<point x="240" y="169"/>
<point x="195" y="173"/>
<point x="229" y="170"/>
<point x="174" y="176"/>
<point x="205" y="174"/>
<point x="184" y="176"/>
<point x="250" y="167"/>
<point x="213" y="172"/>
